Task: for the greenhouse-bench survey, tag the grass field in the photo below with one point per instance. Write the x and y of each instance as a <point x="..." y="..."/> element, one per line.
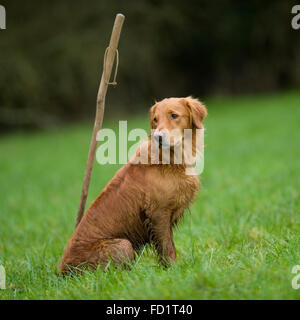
<point x="240" y="240"/>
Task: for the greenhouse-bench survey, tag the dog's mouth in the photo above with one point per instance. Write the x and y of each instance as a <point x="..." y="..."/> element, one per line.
<point x="160" y="141"/>
<point x="164" y="143"/>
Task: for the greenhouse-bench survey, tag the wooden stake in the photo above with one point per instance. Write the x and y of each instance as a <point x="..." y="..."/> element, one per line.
<point x="109" y="57"/>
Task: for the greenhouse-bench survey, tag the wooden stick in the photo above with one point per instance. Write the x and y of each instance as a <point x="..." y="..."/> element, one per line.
<point x="109" y="57"/>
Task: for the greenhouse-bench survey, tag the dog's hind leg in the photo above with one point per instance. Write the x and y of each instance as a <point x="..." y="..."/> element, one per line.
<point x="101" y="252"/>
<point x="118" y="251"/>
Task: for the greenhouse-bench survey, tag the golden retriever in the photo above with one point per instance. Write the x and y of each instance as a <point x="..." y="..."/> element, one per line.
<point x="143" y="201"/>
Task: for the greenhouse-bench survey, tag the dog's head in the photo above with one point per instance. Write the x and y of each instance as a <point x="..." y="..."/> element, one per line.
<point x="171" y="116"/>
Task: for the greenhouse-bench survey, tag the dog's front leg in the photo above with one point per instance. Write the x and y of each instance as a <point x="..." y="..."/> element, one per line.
<point x="162" y="236"/>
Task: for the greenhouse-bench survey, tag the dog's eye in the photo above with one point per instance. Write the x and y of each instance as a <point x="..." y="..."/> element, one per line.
<point x="174" y="115"/>
<point x="155" y="120"/>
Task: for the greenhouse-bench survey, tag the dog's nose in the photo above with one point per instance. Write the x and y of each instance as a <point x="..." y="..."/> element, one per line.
<point x="160" y="141"/>
<point x="158" y="136"/>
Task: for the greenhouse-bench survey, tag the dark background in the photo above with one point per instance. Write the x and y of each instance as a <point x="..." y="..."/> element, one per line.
<point x="51" y="55"/>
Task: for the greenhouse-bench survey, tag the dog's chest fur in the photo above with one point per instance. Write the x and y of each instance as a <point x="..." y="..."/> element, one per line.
<point x="172" y="188"/>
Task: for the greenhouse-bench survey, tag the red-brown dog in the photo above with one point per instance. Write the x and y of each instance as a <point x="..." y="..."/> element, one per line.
<point x="142" y="202"/>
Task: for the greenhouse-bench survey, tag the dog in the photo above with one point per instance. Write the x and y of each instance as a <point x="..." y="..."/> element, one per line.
<point x="143" y="201"/>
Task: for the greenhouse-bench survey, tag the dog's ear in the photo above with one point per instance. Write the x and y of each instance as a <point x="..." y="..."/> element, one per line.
<point x="152" y="111"/>
<point x="197" y="111"/>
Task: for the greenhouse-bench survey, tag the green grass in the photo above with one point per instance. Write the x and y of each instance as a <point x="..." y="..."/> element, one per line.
<point x="240" y="241"/>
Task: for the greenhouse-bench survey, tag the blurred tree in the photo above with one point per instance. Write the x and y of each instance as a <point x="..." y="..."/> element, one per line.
<point x="51" y="54"/>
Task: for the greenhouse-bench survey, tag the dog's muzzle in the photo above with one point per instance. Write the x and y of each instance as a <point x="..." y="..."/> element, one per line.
<point x="160" y="138"/>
